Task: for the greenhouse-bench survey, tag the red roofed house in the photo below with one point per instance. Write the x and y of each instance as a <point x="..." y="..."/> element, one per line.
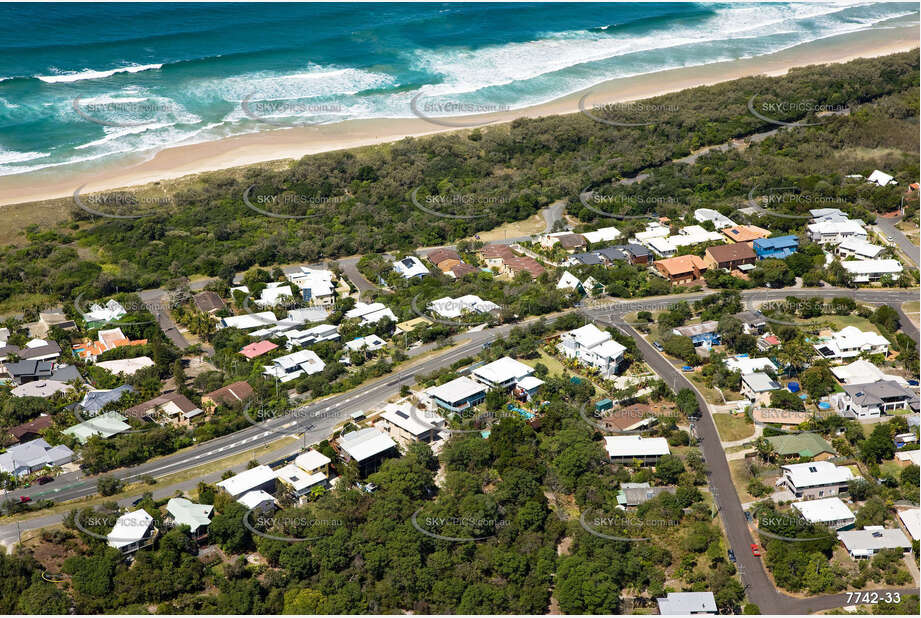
<point x="108" y="340"/>
<point x="29" y="431"/>
<point x="254" y="350"/>
<point x="229" y="395"/>
<point x="495" y="255"/>
<point x="515" y="265"/>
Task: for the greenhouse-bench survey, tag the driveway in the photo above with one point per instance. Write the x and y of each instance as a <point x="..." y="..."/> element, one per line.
<point x="157" y="302"/>
<point x="888" y="227"/>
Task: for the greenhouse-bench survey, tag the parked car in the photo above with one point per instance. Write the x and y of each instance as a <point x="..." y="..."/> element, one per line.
<point x="756" y="551"/>
<point x="732" y="556"/>
<point x="24" y="499"/>
<point x="44" y="480"/>
<point x="657" y="345"/>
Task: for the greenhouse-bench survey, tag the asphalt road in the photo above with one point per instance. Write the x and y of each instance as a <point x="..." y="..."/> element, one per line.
<point x="157" y="302"/>
<point x="887" y="226"/>
<point x="758" y="586"/>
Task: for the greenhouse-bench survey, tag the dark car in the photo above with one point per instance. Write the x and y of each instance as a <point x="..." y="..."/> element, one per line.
<point x="732" y="556"/>
<point x="44" y="480"/>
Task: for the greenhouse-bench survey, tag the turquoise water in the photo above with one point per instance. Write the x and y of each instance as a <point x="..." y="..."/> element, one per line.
<point x="87" y="83"/>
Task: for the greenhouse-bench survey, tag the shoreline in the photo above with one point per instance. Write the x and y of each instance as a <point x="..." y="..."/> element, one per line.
<point x="278" y="146"/>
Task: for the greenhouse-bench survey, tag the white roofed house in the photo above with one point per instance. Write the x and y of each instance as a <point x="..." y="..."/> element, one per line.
<point x="502" y="373"/>
<point x="872" y="539"/>
<point x="261" y="478"/>
<point x="306" y="474"/>
<point x="527" y="387"/>
<point x="368" y="448"/>
<point x="858" y="247"/>
<point x="627" y="449"/>
<point x="258" y="500"/>
<point x="688" y="604"/>
<point x="605" y="234"/>
<point x="292" y="366"/>
<point x="274" y="293"/>
<point x="187" y="513"/>
<point x="719" y="220"/>
<point x="862" y="371"/>
<point x="690" y="235"/>
<point x="132" y="531"/>
<point x="99" y="314"/>
<point x="310" y="336"/>
<point x="851" y="342"/>
<point x="23" y="459"/>
<point x="569" y="282"/>
<point x="410" y="267"/>
<point x="868" y="271"/>
<point x="448" y="307"/>
<point x="316" y="285"/>
<point x="369" y="313"/>
<point x="750" y="365"/>
<point x="593" y="347"/>
<point x="835" y="232"/>
<point x="757" y="387"/>
<point x="247" y="321"/>
<point x="881" y="178"/>
<point x="406" y="424"/>
<point x="831" y="512"/>
<point x="370" y="343"/>
<point x="458" y="394"/>
<point x="817" y="479"/>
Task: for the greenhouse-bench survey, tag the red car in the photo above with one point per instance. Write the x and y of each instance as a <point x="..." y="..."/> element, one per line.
<point x="25" y="499"/>
<point x="756" y="551"/>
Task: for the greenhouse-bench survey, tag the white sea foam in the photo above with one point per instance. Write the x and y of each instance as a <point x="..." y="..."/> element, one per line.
<point x="76" y="76"/>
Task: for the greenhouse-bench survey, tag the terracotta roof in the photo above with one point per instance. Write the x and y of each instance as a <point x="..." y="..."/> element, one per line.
<point x="462" y="269"/>
<point x="745" y="233"/>
<point x="527" y="264"/>
<point x="208" y="301"/>
<point x="682" y="264"/>
<point x="34" y="426"/>
<point x="731" y="253"/>
<point x="440" y="255"/>
<point x="143" y="409"/>
<point x="257" y="348"/>
<point x="497" y="251"/>
<point x="231" y="394"/>
<point x="627" y="418"/>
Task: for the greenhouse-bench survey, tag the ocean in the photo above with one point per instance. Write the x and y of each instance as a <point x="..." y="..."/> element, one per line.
<point x="82" y="84"/>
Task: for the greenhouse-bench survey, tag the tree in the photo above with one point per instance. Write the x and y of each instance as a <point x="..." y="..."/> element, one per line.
<point x="686" y="400"/>
<point x="306" y="601"/>
<point x="878" y="446"/>
<point x="786" y="400"/>
<point x="669" y="469"/>
<point x="108" y="486"/>
<point x="886" y="317"/>
<point x="43" y="598"/>
<point x="818" y="381"/>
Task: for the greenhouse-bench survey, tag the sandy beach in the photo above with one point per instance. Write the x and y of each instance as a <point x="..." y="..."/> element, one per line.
<point x="292" y="143"/>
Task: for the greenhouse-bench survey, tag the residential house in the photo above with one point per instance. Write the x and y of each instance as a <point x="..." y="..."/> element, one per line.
<point x="370" y="313"/>
<point x="248" y="321"/>
<point x="208" y="302"/>
<point x="316" y="285"/>
<point x="370" y="343"/>
<point x="25" y="371"/>
<point x="173" y="408"/>
<point x="585" y="259"/>
<point x="410" y="325"/>
<point x="631" y="252"/>
<point x="635" y="494"/>
<point x="132" y="531"/>
<point x="494" y="256"/>
<point x="851" y="342"/>
<point x="40" y="350"/>
<point x="458" y="394"/>
<point x="106" y="340"/>
<point x="368" y="448"/>
<point x="515" y="265"/>
<point x="718" y="219"/>
<point x="274" y="293"/>
<point x="868" y="542"/>
<point x="753" y="322"/>
<point x="526" y="388"/>
<point x="868" y="271"/>
<point x="831" y="512"/>
<point x="462" y="270"/>
<point x="654" y="229"/>
<point x="745" y="233"/>
<point x="627" y="449"/>
<point x="835" y="232"/>
<point x="908" y="458"/>
<point x="687" y="236"/>
<point x="104" y="425"/>
<point x="746" y="364"/>
<point x="126" y="366"/>
<point x="827" y="214"/>
<point x="28" y="431"/>
<point x="406" y="424"/>
<point x="318" y="334"/>
<point x="410" y="267"/>
<point x="98" y="315"/>
<point x="187" y="513"/>
<point x="593" y="347"/>
<point x="817" y="479"/>
<point x="260" y="478"/>
<point x="687" y="604"/>
<point x="230" y="395"/>
<point x="570" y="282"/>
<point x="873" y="399"/>
<point x="257" y="349"/>
<point x="858" y="247"/>
<point x="911" y="519"/>
<point x="444" y="259"/>
<point x="308" y="472"/>
<point x="881" y="178"/>
<point x="605" y="234"/>
<point x="681" y="269"/>
<point x="292" y="366"/>
<point x="757" y="387"/>
<point x="779" y="248"/>
<point x="729" y="257"/>
<point x="803" y="445"/>
<point x="567" y="240"/>
<point x="23" y="459"/>
<point x="503" y="373"/>
<point x="702" y="335"/>
<point x="258" y="501"/>
<point x="94" y="401"/>
<point x="448" y="307"/>
<point x="635" y="417"/>
<point x="41" y="388"/>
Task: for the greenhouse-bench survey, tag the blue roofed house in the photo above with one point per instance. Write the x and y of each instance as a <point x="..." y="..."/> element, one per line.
<point x="704" y="334"/>
<point x="779" y="247"/>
